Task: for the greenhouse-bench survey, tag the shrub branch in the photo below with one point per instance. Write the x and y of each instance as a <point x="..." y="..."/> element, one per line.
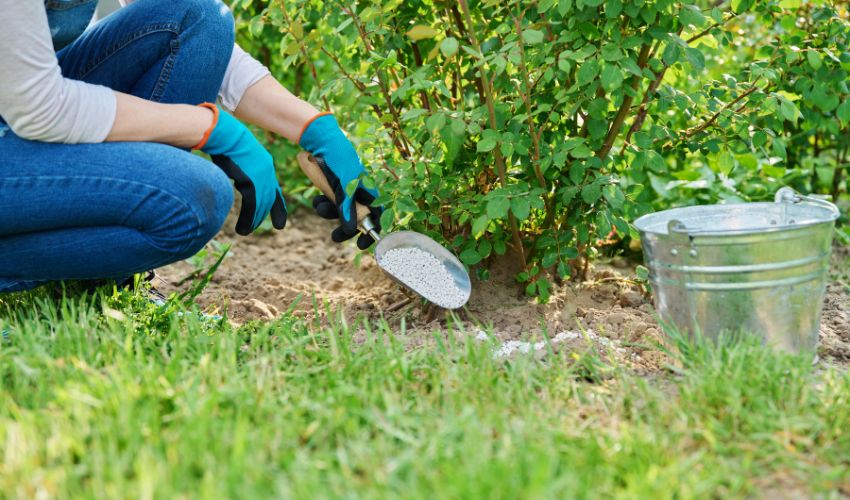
<point x="491" y="112"/>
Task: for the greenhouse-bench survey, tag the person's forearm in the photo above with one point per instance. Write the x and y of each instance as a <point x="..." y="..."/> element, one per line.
<point x="139" y="120"/>
<point x="269" y="105"/>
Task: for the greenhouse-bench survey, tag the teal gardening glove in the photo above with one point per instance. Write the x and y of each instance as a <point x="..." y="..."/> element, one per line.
<point x="238" y="153"/>
<point x="338" y="160"/>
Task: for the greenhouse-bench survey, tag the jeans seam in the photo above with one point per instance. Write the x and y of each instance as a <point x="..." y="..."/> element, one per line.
<point x="176" y="198"/>
<point x="165" y="74"/>
<point x="169" y="27"/>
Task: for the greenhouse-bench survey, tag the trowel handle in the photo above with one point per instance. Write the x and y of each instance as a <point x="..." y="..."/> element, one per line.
<point x="312" y="170"/>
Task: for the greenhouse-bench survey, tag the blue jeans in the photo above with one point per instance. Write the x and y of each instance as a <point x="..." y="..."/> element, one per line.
<point x="87" y="211"/>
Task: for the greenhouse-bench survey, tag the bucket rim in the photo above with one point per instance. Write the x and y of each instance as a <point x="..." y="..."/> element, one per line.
<point x="645" y="221"/>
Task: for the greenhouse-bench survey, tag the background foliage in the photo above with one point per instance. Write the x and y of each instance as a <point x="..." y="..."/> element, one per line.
<point x="542" y="128"/>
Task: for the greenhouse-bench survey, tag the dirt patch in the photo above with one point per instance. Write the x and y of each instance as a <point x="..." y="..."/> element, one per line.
<point x="302" y="271"/>
<point x="835" y="322"/>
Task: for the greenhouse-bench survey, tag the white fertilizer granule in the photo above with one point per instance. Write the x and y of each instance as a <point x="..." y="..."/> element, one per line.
<point x="425" y="274"/>
<point x="508" y="348"/>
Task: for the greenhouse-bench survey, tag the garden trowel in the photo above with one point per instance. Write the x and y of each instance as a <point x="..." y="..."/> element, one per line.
<point x="396" y="240"/>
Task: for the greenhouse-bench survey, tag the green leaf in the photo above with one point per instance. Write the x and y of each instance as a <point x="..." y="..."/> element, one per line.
<point x="449" y="46"/>
<point x="621" y="226"/>
<point x="470" y="257"/>
<point x="577" y="172"/>
<point x="545" y="5"/>
<point x="532" y="37"/>
<point x="612" y="77"/>
<point x="255" y="28"/>
<point x="479" y="225"/>
<point x="486" y="144"/>
<point x="549" y="259"/>
<point x="631" y="66"/>
<point x="500" y="247"/>
<point x="739" y="6"/>
<point x="421" y="31"/>
<point x="563" y="269"/>
<point x="484" y="248"/>
<point x="656" y="162"/>
<point x="387" y="219"/>
<point x="603" y="225"/>
<point x="671" y="53"/>
<point x="568" y="194"/>
<point x="452" y="140"/>
<point x="814" y="59"/>
<point x="779" y="148"/>
<point x="643" y="139"/>
<point x="497" y="207"/>
<point x="297" y="30"/>
<point x="789" y="110"/>
<point x="843" y="112"/>
<point x="521" y="207"/>
<point x="587" y="72"/>
<point x="614" y="196"/>
<point x="435" y="121"/>
<point x="611" y="52"/>
<point x="591" y="193"/>
<point x="581" y="151"/>
<point x="351" y="187"/>
<point x="573" y="142"/>
<point x="823" y="99"/>
<point x="726" y="162"/>
<point x="691" y="15"/>
<point x="507" y="149"/>
<point x="759" y="139"/>
<point x="543" y="294"/>
<point x="613" y="8"/>
<point x="774" y="171"/>
<point x="695" y="58"/>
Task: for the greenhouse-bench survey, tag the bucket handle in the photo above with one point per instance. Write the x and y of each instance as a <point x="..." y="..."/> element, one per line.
<point x="677" y="229"/>
<point x="788" y="195"/>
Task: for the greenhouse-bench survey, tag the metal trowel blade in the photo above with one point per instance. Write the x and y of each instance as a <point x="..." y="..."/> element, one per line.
<point x="411" y="239"/>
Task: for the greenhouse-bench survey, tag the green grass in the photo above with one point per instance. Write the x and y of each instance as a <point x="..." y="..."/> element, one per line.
<point x="164" y="406"/>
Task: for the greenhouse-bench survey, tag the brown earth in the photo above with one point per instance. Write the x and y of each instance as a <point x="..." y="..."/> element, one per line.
<point x="835" y="322"/>
<point x="301" y="270"/>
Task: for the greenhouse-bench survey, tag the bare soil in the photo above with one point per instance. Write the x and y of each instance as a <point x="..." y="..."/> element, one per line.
<point x="302" y="271"/>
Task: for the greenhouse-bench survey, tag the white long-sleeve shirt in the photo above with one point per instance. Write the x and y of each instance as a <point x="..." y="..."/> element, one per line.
<point x="38" y="103"/>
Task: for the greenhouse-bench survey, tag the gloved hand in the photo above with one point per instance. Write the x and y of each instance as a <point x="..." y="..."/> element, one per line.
<point x="336" y="156"/>
<point x="236" y="151"/>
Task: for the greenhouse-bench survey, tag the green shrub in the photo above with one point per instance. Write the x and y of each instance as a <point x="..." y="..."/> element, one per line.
<point x="544" y="127"/>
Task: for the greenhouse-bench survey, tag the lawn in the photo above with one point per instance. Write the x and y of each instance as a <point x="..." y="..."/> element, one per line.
<point x="109" y="396"/>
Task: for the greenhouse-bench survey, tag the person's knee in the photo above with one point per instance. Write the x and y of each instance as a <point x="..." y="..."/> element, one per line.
<point x="186" y="205"/>
<point x="212" y="20"/>
<point x="211" y="203"/>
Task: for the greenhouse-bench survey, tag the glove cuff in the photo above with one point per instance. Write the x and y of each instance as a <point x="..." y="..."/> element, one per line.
<point x="208" y="132"/>
<point x="310" y="122"/>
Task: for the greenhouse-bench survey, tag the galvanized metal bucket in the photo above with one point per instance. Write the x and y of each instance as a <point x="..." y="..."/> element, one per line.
<point x="758" y="268"/>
